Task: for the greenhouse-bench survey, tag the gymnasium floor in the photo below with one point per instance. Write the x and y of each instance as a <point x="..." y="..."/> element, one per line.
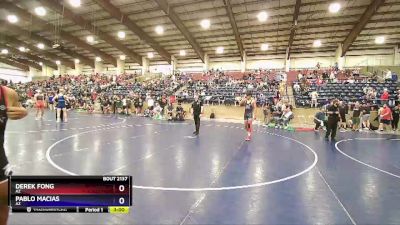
<point x="278" y="178"/>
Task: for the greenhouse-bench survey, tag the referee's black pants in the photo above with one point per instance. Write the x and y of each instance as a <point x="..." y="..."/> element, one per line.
<point x="331" y="128"/>
<point x="197" y="122"/>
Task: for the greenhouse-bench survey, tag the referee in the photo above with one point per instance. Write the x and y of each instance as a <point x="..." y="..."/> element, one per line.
<point x="196" y="110"/>
<point x="333" y="119"/>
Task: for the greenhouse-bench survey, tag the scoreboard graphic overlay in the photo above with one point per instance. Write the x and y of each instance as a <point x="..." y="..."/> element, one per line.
<point x="70" y="194"/>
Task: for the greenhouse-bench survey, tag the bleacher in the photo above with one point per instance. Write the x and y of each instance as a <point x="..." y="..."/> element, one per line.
<point x="349" y="92"/>
<point x="222" y="94"/>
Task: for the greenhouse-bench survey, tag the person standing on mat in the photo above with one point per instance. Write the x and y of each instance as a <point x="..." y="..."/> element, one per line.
<point x="61" y="106"/>
<point x="39" y="101"/>
<point x="197" y="109"/>
<point x="333" y="119"/>
<point x="10" y="108"/>
<point x="249" y="113"/>
<point x="396" y="116"/>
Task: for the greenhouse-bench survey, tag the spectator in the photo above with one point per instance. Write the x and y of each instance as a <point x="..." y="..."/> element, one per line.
<point x="385" y="116"/>
<point x="388" y="76"/>
<point x="357" y="112"/>
<point x="180" y="113"/>
<point x="170" y="109"/>
<point x="287" y="115"/>
<point x="332" y="76"/>
<point x="296" y="87"/>
<point x="299" y="76"/>
<point x="150" y="103"/>
<point x="396" y="113"/>
<point x="314" y="99"/>
<point x="319" y="119"/>
<point x="157" y="112"/>
<point x="139" y="108"/>
<point x="398" y="96"/>
<point x="343" y="110"/>
<point x="267" y="110"/>
<point x="366" y="109"/>
<point x="385" y="96"/>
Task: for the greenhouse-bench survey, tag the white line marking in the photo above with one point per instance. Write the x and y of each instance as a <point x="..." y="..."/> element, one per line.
<point x="361" y="162"/>
<point x="370" y="138"/>
<point x="48" y="157"/>
<point x="80" y="128"/>
<point x="337" y="199"/>
<point x="194" y="206"/>
<point x="241" y="186"/>
<point x="190" y="137"/>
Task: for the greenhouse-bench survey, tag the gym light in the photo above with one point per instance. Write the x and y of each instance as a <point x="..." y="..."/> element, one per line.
<point x="121" y="34"/>
<point x="182" y="52"/>
<point x="150" y="55"/>
<point x="264" y="47"/>
<point x="98" y="59"/>
<point x="58" y="62"/>
<point x="77" y="61"/>
<point x="159" y="30"/>
<point x="4" y="51"/>
<point x="40" y="63"/>
<point x="220" y="50"/>
<point x="12" y="18"/>
<point x="75" y="3"/>
<point x="40" y="46"/>
<point x="317" y="43"/>
<point x="90" y="39"/>
<point x="122" y="57"/>
<point x="22" y="49"/>
<point x="40" y="11"/>
<point x="334" y="7"/>
<point x="380" y="40"/>
<point x="205" y="24"/>
<point x="262" y="16"/>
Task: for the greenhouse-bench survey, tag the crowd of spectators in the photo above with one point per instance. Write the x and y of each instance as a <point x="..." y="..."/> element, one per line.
<point x="108" y="94"/>
<point x="317" y="88"/>
<point x="269" y="89"/>
<point x="218" y="87"/>
<point x="362" y="116"/>
<point x="162" y="97"/>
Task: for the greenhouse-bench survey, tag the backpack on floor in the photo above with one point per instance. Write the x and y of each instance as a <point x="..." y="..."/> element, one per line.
<point x="212" y="116"/>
